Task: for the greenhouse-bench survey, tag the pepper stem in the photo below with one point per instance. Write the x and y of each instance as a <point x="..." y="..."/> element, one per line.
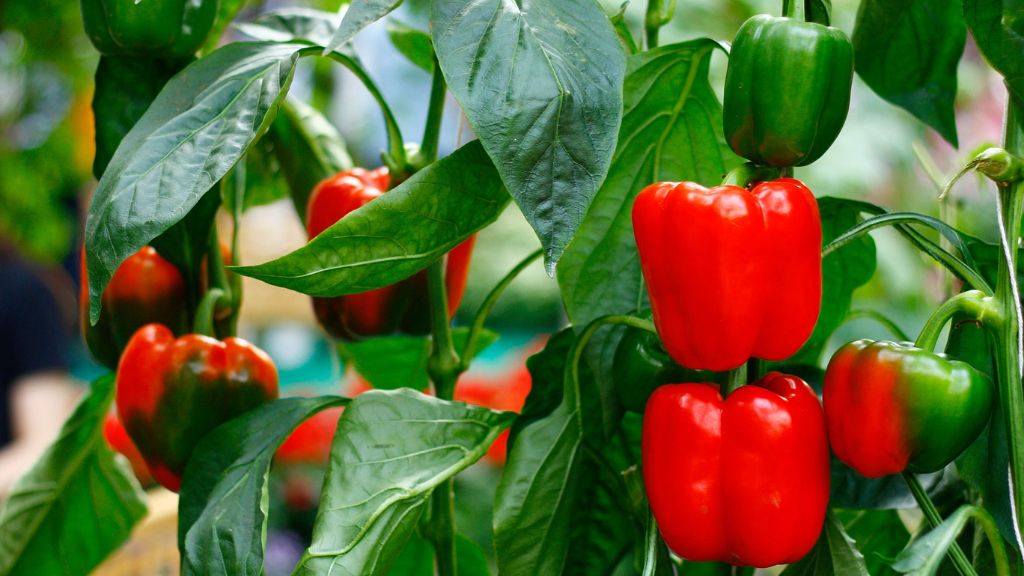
<point x="793" y="9"/>
<point x="748" y="173"/>
<point x="973" y="303"/>
<point x="205" y="312"/>
<point x="734" y="379"/>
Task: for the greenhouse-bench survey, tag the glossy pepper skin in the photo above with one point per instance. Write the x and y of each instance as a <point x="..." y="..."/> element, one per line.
<point x="892" y="407"/>
<point x="146" y="288"/>
<point x="787" y="90"/>
<point x="743" y="480"/>
<point x="165" y="28"/>
<point x="401" y="307"/>
<point x="172" y="392"/>
<point x="731" y="273"/>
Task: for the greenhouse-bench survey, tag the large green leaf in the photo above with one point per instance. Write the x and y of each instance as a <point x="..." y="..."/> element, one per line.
<point x="223" y="512"/>
<point x="287" y="24"/>
<point x="391" y="362"/>
<point x="359" y="15"/>
<point x="926" y="554"/>
<point x="391" y="450"/>
<point x="998" y="29"/>
<point x="907" y="52"/>
<point x="414" y="44"/>
<point x="880" y="536"/>
<point x="557" y="511"/>
<point x="541" y="84"/>
<point x="197" y="129"/>
<point x="834" y="554"/>
<point x="77" y="504"/>
<point x="417" y="558"/>
<point x="398" y="234"/>
<point x="671" y="131"/>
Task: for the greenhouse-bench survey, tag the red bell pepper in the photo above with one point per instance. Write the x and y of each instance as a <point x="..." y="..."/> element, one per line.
<point x="400" y="307"/>
<point x="172" y="392"/>
<point x="744" y="480"/>
<point x="730" y="273"/>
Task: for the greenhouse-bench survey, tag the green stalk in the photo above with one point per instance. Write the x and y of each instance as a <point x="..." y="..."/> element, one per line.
<point x="443" y="368"/>
<point x="749" y="173"/>
<point x="659" y="13"/>
<point x="956" y="554"/>
<point x="204" y="320"/>
<point x="734" y="379"/>
<point x="435" y="114"/>
<point x="793" y="9"/>
<point x="1008" y="336"/>
<point x="972" y="303"/>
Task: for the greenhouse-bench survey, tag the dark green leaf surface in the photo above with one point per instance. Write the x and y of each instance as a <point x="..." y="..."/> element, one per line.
<point x="197" y="129"/>
<point x="998" y="29"/>
<point x="414" y="44"/>
<point x="926" y="554"/>
<point x="880" y="536"/>
<point x="907" y="52"/>
<point x="843" y="271"/>
<point x="309" y="149"/>
<point x="541" y="83"/>
<point x="834" y="554"/>
<point x="287" y="24"/>
<point x="853" y="491"/>
<point x="358" y="15"/>
<point x="223" y="511"/>
<point x="77" y="504"/>
<point x="398" y="234"/>
<point x="417" y="558"/>
<point x="391" y="450"/>
<point x="392" y="362"/>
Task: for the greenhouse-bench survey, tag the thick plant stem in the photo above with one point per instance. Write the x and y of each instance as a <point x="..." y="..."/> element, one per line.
<point x="443" y="368"/>
<point x="205" y="312"/>
<point x="956" y="554"/>
<point x="1008" y="337"/>
<point x="435" y="113"/>
<point x="659" y="13"/>
<point x="973" y="303"/>
<point x="793" y="9"/>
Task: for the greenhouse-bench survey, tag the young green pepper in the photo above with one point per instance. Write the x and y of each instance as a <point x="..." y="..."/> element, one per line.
<point x="893" y="407"/>
<point x="167" y="28"/>
<point x="787" y="90"/>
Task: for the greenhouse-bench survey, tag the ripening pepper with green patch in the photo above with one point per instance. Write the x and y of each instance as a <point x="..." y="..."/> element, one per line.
<point x="787" y="90"/>
<point x="892" y="407"/>
<point x="157" y="28"/>
<point x="400" y="307"/>
<point x="172" y="392"/>
<point x="144" y="289"/>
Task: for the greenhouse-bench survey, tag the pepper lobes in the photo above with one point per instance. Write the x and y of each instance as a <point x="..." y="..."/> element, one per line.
<point x="145" y="288"/>
<point x="169" y="28"/>
<point x="401" y="307"/>
<point x="787" y="90"/>
<point x="892" y="407"/>
<point x="731" y="273"/>
<point x="172" y="392"/>
<point x="744" y="480"/>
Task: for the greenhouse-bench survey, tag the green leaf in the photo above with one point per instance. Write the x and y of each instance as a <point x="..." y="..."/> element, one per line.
<point x="671" y="131"/>
<point x="853" y="491"/>
<point x="907" y="52"/>
<point x="309" y="149"/>
<point x="197" y="129"/>
<point x="541" y="85"/>
<point x="622" y="30"/>
<point x="392" y="362"/>
<point x="834" y="554"/>
<point x="843" y="271"/>
<point x="924" y="556"/>
<point x="77" y="504"/>
<point x="226" y="12"/>
<point x="396" y="235"/>
<point x="414" y="44"/>
<point x="998" y="29"/>
<point x="417" y="558"/>
<point x="391" y="450"/>
<point x="359" y="15"/>
<point x="125" y="87"/>
<point x="288" y="24"/>
<point x="880" y="536"/>
<point x="223" y="511"/>
<point x="557" y="511"/>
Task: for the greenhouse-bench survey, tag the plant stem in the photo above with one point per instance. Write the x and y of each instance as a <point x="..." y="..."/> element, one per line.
<point x="203" y="323"/>
<point x="443" y="368"/>
<point x="1008" y="336"/>
<point x="793" y="9"/>
<point x="435" y="114"/>
<point x="956" y="554"/>
<point x="659" y="13"/>
<point x="973" y="303"/>
<point x="488" y="304"/>
<point x="749" y="173"/>
<point x="734" y="379"/>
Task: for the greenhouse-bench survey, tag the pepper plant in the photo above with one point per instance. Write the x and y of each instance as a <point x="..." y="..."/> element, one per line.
<point x="675" y="425"/>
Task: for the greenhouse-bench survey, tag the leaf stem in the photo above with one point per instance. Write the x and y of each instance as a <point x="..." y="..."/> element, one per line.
<point x="734" y="379"/>
<point x="973" y="303"/>
<point x="435" y="114"/>
<point x="956" y="554"/>
<point x="488" y="304"/>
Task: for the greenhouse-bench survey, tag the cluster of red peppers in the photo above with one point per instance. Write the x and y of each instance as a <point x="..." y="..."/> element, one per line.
<point x="741" y="473"/>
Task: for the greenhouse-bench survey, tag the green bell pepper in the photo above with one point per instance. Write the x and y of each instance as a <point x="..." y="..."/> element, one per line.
<point x="787" y="90"/>
<point x="167" y="28"/>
